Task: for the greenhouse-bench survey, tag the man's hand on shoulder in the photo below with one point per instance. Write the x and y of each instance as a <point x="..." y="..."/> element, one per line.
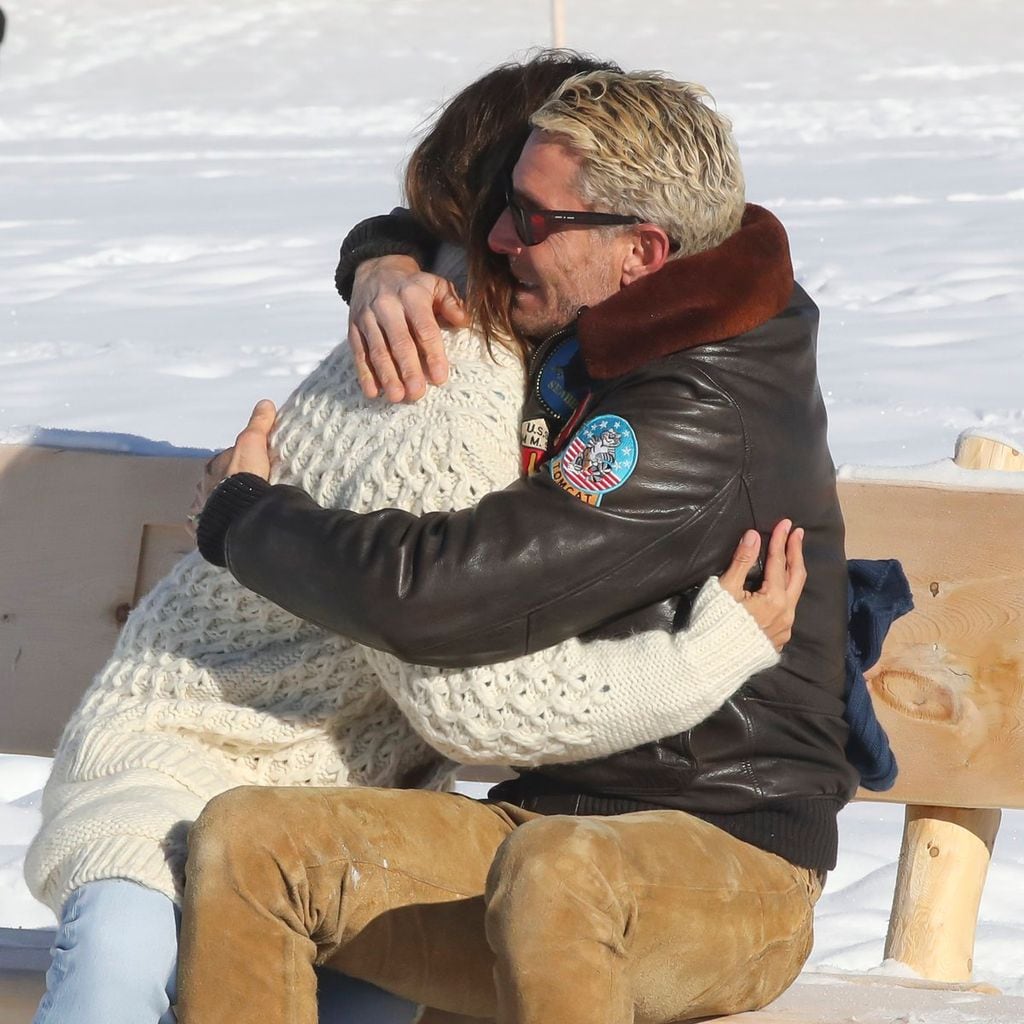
<point x="394" y="327"/>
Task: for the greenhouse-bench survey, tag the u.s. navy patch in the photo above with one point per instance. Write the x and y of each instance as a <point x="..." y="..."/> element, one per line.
<point x="533" y="435"/>
<point x="600" y="458"/>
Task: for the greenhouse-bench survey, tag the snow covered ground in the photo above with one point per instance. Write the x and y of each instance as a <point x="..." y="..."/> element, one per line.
<point x="175" y="177"/>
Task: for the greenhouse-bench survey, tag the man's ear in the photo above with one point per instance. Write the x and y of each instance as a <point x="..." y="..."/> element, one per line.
<point x="648" y="253"/>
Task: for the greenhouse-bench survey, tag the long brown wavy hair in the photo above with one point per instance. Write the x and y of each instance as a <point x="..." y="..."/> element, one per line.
<point x="454" y="182"/>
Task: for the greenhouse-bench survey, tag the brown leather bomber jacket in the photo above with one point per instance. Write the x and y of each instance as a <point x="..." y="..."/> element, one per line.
<point x="690" y="413"/>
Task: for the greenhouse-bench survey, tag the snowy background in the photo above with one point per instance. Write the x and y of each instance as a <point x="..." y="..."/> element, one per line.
<point x="175" y="178"/>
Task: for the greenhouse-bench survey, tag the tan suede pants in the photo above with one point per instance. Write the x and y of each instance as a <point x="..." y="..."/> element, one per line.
<point x="481" y="909"/>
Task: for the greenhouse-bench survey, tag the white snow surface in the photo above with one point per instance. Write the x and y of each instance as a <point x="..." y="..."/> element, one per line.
<point x="176" y="175"/>
<point x="944" y="473"/>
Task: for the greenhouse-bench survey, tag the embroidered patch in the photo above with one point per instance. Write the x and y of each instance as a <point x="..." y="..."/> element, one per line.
<point x="533" y="442"/>
<point x="600" y="458"/>
<point x="552" y="392"/>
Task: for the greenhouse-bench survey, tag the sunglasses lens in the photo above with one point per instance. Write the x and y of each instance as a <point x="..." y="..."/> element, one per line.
<point x="538" y="227"/>
<point x="522" y="222"/>
<point x="531" y="227"/>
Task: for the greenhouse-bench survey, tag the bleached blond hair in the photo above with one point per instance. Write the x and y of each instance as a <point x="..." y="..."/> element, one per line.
<point x="654" y="148"/>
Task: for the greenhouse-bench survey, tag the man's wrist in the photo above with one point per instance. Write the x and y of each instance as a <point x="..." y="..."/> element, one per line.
<point x="396" y="261"/>
<point x="394" y="234"/>
<point x="229" y="500"/>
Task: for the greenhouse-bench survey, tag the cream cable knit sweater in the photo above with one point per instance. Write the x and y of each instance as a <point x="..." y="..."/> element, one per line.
<point x="211" y="686"/>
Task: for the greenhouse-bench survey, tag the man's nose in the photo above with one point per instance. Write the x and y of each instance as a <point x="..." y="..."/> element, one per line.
<point x="503" y="238"/>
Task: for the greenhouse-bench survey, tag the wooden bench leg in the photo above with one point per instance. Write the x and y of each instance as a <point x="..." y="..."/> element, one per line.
<point x="943" y="863"/>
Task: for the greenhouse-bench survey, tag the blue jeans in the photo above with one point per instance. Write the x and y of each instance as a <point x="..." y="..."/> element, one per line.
<point x="115" y="957"/>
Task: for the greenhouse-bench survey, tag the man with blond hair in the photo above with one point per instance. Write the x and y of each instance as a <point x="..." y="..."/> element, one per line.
<point x="673" y="404"/>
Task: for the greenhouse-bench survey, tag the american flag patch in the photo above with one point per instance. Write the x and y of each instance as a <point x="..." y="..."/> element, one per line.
<point x="600" y="457"/>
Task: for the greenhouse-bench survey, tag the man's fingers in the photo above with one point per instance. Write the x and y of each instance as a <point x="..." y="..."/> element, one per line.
<point x="379" y="353"/>
<point x="407" y="326"/>
<point x="394" y="326"/>
<point x="743" y="560"/>
<point x="775" y="564"/>
<point x="449" y="305"/>
<point x="408" y="356"/>
<point x="367" y="379"/>
<point x="424" y="309"/>
<point x="256" y="432"/>
<point x="427" y="328"/>
<point x="795" y="565"/>
<point x="451" y="309"/>
<point x="198" y="501"/>
<point x="262" y="419"/>
<point x="251" y="453"/>
<point x="216" y="466"/>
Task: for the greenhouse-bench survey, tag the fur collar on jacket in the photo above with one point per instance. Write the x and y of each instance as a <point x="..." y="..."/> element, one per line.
<point x="691" y="301"/>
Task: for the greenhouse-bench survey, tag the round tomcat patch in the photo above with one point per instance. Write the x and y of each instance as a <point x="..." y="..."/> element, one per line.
<point x="600" y="458"/>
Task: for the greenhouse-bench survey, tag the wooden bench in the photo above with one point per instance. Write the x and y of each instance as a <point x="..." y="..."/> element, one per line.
<point x="84" y="534"/>
<point x="949" y="691"/>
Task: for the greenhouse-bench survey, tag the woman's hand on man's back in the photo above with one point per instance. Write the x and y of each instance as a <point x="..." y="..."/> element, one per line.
<point x="774" y="605"/>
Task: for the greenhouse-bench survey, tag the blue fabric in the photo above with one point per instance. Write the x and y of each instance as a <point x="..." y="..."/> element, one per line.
<point x="878" y="594"/>
<point x="115" y="958"/>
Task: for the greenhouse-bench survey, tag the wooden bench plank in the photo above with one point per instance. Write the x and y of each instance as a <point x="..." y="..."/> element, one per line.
<point x="950" y="687"/>
<point x="826" y="998"/>
<point x="20" y="992"/>
<point x="71" y="525"/>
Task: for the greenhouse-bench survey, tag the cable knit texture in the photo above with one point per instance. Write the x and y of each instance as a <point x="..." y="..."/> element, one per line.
<point x="583" y="700"/>
<point x="211" y="686"/>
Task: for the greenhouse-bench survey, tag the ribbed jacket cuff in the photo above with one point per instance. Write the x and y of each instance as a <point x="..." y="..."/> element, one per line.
<point x="229" y="500"/>
<point x="391" y="234"/>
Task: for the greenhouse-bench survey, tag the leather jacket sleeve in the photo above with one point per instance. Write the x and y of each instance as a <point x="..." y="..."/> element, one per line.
<point x="528" y="566"/>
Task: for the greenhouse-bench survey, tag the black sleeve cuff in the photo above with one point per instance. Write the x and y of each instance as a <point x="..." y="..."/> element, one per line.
<point x="392" y="234"/>
<point x="228" y="501"/>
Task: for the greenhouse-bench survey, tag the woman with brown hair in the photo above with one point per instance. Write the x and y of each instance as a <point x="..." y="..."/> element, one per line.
<point x="455" y="188"/>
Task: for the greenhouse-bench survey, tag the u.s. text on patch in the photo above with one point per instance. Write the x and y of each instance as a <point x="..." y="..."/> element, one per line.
<point x="533" y="436"/>
<point x="600" y="457"/>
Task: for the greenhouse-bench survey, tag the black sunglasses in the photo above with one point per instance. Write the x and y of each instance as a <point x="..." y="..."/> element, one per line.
<point x="534" y="226"/>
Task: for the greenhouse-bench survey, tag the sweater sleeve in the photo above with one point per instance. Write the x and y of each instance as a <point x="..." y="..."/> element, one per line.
<point x="581" y="700"/>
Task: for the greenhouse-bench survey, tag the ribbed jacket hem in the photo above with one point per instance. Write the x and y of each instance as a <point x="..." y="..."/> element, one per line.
<point x="804" y="832"/>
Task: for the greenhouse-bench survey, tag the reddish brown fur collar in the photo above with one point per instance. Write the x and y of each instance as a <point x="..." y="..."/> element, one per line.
<point x="692" y="301"/>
